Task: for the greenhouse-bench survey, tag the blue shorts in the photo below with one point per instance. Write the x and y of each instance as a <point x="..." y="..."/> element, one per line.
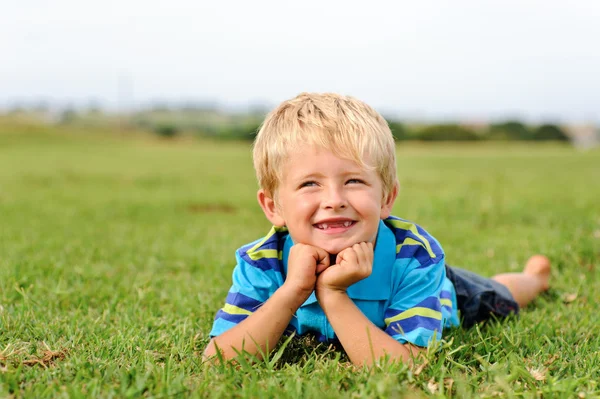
<point x="480" y="298"/>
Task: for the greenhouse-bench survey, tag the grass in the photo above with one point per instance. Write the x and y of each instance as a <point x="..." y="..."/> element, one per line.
<point x="116" y="253"/>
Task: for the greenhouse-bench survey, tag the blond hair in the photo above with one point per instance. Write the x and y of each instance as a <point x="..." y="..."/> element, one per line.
<point x="347" y="127"/>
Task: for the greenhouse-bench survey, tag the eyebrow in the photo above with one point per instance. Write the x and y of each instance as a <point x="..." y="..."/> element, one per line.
<point x="310" y="176"/>
<point x="318" y="175"/>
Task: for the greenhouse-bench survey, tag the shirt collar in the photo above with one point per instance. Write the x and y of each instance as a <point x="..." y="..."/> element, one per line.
<point x="377" y="286"/>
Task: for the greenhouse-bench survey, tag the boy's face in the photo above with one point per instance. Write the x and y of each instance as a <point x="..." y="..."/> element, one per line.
<point x="328" y="202"/>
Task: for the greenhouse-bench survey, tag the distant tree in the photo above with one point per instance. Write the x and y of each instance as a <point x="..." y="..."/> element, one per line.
<point x="240" y="132"/>
<point x="142" y="123"/>
<point x="446" y="132"/>
<point x="550" y="132"/>
<point x="16" y="109"/>
<point x="94" y="107"/>
<point x="509" y="130"/>
<point x="398" y="129"/>
<point x="159" y="107"/>
<point x="68" y="115"/>
<point x="41" y="106"/>
<point x="166" y="130"/>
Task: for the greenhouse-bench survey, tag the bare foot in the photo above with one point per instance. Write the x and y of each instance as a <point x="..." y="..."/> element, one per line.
<point x="539" y="266"/>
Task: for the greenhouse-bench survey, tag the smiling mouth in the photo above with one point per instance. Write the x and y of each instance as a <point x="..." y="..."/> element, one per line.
<point x="335" y="225"/>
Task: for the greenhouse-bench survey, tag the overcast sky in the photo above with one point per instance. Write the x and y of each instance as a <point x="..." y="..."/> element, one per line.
<point x="538" y="60"/>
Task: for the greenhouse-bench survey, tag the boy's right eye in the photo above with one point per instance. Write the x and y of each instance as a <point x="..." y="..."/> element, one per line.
<point x="309" y="183"/>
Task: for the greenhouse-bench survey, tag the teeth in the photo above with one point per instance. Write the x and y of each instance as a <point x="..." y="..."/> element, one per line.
<point x="325" y="226"/>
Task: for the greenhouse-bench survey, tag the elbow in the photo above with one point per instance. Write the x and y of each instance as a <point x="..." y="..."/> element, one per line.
<point x="210" y="352"/>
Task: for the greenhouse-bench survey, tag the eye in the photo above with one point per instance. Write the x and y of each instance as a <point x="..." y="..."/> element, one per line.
<point x="355" y="181"/>
<point x="309" y="183"/>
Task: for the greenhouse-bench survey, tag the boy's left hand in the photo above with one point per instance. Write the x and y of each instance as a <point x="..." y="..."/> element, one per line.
<point x="352" y="265"/>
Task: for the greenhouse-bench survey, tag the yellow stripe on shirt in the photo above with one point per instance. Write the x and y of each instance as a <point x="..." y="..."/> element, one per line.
<point x="232" y="309"/>
<point x="401" y="224"/>
<point x="418" y="311"/>
<point x="411" y="241"/>
<point x="446" y="302"/>
<point x="265" y="253"/>
<point x="261" y="242"/>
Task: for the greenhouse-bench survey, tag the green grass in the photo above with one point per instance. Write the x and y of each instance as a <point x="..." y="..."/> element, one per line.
<point x="116" y="253"/>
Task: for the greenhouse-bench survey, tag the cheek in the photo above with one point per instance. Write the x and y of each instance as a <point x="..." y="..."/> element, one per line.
<point x="305" y="203"/>
<point x="301" y="207"/>
<point x="369" y="205"/>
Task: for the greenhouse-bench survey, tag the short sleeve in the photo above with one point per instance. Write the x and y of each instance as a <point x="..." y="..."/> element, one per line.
<point x="415" y="311"/>
<point x="252" y="286"/>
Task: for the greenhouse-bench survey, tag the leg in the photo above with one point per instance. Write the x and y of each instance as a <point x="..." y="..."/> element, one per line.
<point x="527" y="285"/>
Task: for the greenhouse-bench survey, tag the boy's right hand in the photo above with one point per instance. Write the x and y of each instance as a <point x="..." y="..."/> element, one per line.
<point x="304" y="263"/>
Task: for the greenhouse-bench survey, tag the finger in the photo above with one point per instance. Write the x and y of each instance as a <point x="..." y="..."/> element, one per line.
<point x="340" y="257"/>
<point x="323" y="265"/>
<point x="370" y="252"/>
<point x="367" y="248"/>
<point x="321" y="268"/>
<point x="361" y="252"/>
<point x="322" y="258"/>
<point x="348" y="255"/>
<point x="366" y="258"/>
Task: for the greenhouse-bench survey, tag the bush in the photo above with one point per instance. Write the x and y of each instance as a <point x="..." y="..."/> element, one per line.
<point x="239" y="132"/>
<point x="399" y="131"/>
<point x="550" y="132"/>
<point x="511" y="130"/>
<point x="166" y="130"/>
<point x="447" y="132"/>
<point x="68" y="116"/>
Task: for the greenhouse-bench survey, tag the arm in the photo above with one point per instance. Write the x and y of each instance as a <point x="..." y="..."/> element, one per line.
<point x="362" y="340"/>
<point x="261" y="330"/>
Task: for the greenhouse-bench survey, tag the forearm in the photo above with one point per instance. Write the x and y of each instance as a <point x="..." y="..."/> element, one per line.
<point x="260" y="331"/>
<point x="362" y="340"/>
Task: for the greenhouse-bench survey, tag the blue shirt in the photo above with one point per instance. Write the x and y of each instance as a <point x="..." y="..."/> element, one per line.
<point x="407" y="293"/>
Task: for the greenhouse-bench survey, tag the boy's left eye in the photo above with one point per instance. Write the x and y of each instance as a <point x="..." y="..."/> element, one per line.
<point x="354" y="181"/>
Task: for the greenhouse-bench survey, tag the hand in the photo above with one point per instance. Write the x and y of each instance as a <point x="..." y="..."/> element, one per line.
<point x="352" y="265"/>
<point x="304" y="263"/>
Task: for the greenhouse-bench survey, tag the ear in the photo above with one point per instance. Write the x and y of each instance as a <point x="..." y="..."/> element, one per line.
<point x="388" y="202"/>
<point x="267" y="203"/>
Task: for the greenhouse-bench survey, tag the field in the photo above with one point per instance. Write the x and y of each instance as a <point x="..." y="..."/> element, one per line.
<point x="116" y="253"/>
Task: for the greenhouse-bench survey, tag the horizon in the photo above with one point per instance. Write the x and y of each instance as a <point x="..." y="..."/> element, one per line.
<point x="53" y="109"/>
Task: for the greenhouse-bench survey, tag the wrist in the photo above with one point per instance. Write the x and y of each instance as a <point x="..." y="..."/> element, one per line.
<point x="294" y="295"/>
<point x="330" y="296"/>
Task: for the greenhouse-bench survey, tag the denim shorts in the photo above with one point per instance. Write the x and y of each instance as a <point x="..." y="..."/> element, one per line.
<point x="480" y="298"/>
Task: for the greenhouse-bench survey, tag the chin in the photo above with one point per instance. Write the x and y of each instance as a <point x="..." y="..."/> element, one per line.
<point x="335" y="249"/>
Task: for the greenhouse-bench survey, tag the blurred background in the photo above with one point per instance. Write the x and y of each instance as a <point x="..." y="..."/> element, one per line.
<point x="126" y="182"/>
<point x="461" y="70"/>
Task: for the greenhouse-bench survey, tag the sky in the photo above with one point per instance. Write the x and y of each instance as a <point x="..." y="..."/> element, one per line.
<point x="463" y="59"/>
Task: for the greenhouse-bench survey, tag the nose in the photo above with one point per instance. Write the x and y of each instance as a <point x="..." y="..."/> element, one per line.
<point x="334" y="198"/>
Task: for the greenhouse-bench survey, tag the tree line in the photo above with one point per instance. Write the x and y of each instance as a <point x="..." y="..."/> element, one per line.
<point x="504" y="131"/>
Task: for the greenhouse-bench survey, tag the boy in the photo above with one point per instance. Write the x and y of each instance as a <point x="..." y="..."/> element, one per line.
<point x="336" y="263"/>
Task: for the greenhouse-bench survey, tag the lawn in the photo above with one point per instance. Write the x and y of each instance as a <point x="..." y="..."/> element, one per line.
<point x="116" y="253"/>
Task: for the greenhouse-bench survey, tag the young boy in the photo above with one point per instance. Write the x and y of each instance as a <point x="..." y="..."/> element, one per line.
<point x="336" y="263"/>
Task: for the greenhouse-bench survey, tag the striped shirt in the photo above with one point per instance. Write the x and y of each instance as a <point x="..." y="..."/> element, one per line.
<point x="407" y="293"/>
